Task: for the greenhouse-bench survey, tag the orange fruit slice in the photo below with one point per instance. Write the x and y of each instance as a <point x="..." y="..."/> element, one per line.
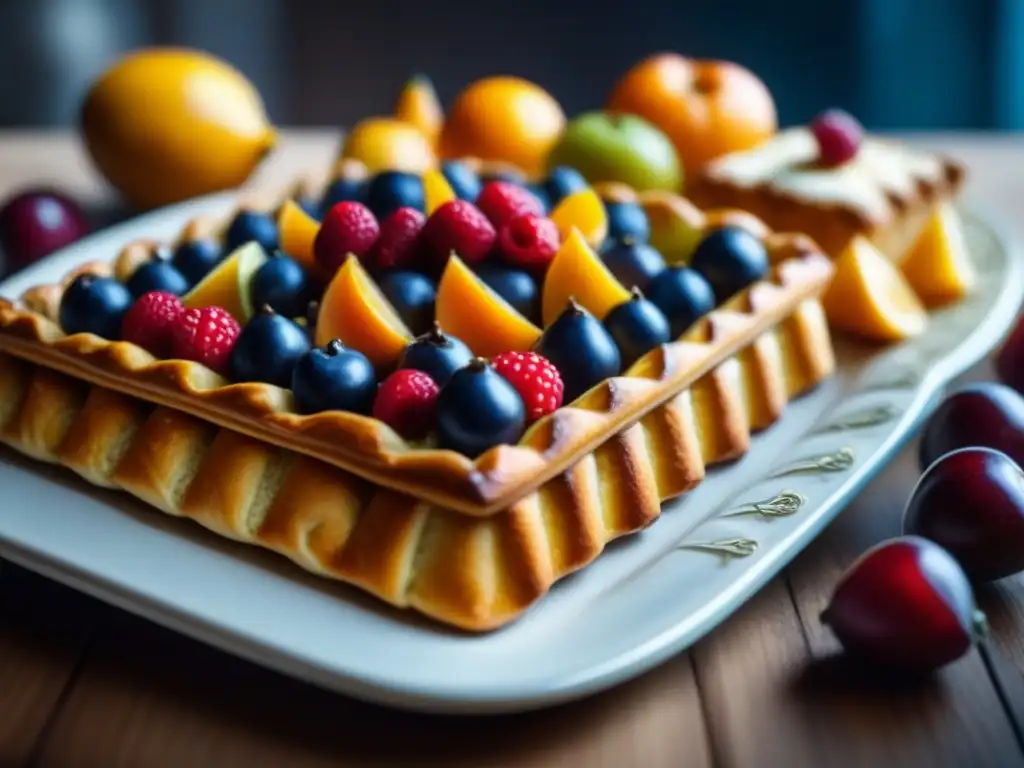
<point x="436" y="191"/>
<point x="576" y="271"/>
<point x="297" y="232"/>
<point x="938" y="266"/>
<point x="354" y="310"/>
<point x="468" y="309"/>
<point x="869" y="297"/>
<point x="227" y="284"/>
<point x="584" y="211"/>
<point x="386" y="144"/>
<point x="419" y="105"/>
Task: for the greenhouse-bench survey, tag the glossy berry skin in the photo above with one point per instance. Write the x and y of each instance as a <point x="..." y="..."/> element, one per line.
<point x="413" y="296"/>
<point x="94" y="305"/>
<point x="157" y="275"/>
<point x="268" y="349"/>
<point x="983" y="414"/>
<point x="477" y="410"/>
<point x="334" y="378"/>
<point x="581" y="349"/>
<point x="437" y="354"/>
<point x="637" y="326"/>
<point x="206" y="336"/>
<point x="502" y="201"/>
<point x="1009" y="360"/>
<point x="391" y="190"/>
<point x="343" y="191"/>
<point x="516" y="286"/>
<point x="536" y="380"/>
<point x="627" y="221"/>
<point x="283" y="285"/>
<point x="633" y="264"/>
<point x="561" y="182"/>
<point x="460" y="227"/>
<point x="529" y="242"/>
<point x="195" y="258"/>
<point x="346" y="228"/>
<point x="37" y="222"/>
<point x="463" y="180"/>
<point x="839" y="136"/>
<point x="683" y="296"/>
<point x="407" y="402"/>
<point x="400" y="245"/>
<point x="906" y="605"/>
<point x="149" y="322"/>
<point x="248" y="226"/>
<point x="730" y="259"/>
<point x="971" y="502"/>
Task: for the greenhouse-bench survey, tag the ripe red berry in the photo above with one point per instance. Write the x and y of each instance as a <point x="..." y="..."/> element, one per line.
<point x="406" y="401"/>
<point x="458" y="226"/>
<point x="150" y="321"/>
<point x="839" y="136"/>
<point x="206" y="336"/>
<point x="536" y="380"/>
<point x="398" y="246"/>
<point x="502" y="201"/>
<point x="348" y="227"/>
<point x="529" y="241"/>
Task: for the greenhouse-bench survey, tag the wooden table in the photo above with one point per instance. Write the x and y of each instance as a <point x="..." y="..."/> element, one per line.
<point x="83" y="684"/>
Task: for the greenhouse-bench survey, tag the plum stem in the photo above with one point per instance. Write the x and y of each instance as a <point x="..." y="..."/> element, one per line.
<point x="979" y="626"/>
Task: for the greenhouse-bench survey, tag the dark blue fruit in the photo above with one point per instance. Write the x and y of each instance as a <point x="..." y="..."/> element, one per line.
<point x="730" y="258"/>
<point x="633" y="263"/>
<point x="637" y="326"/>
<point x="195" y="258"/>
<point x="437" y="354"/>
<point x="562" y="182"/>
<point x="248" y="226"/>
<point x="268" y="349"/>
<point x="310" y="205"/>
<point x="478" y="409"/>
<point x="157" y="275"/>
<point x="516" y="286"/>
<point x="412" y="295"/>
<point x="627" y="220"/>
<point x="282" y="285"/>
<point x="334" y="378"/>
<point x="683" y="295"/>
<point x="343" y="191"/>
<point x="538" y="191"/>
<point x="463" y="180"/>
<point x="392" y="190"/>
<point x="94" y="305"/>
<point x="581" y="349"/>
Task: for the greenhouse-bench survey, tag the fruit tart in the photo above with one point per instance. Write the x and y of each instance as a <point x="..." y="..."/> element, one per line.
<point x="448" y="403"/>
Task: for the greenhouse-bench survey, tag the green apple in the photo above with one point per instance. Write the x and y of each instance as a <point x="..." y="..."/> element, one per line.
<point x="617" y="147"/>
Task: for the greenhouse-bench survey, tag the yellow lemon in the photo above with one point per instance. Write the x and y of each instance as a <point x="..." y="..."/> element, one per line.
<point x="938" y="266"/>
<point x="388" y="144"/>
<point x="436" y="191"/>
<point x="585" y="212"/>
<point x="418" y="105"/>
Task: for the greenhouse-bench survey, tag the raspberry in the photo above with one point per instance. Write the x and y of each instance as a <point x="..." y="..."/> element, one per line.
<point x="406" y="401"/>
<point x="502" y="201"/>
<point x="206" y="336"/>
<point x="459" y="226"/>
<point x="150" y="321"/>
<point x="839" y="136"/>
<point x="399" y="241"/>
<point x="536" y="380"/>
<point x="348" y="227"/>
<point x="529" y="241"/>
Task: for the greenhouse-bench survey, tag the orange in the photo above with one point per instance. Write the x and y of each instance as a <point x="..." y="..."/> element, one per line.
<point x="418" y="105"/>
<point x="585" y="212"/>
<point x="503" y="118"/>
<point x="436" y="191"/>
<point x="297" y="231"/>
<point x="577" y="272"/>
<point x="469" y="310"/>
<point x="387" y="144"/>
<point x="354" y="310"/>
<point x="227" y="285"/>
<point x="938" y="267"/>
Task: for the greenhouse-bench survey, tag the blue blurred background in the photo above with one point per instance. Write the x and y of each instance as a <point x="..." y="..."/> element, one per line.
<point x="897" y="64"/>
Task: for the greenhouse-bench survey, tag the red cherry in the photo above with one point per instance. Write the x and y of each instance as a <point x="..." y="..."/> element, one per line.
<point x="1009" y="360"/>
<point x="839" y="136"/>
<point x="37" y="222"/>
<point x="983" y="414"/>
<point x="905" y="604"/>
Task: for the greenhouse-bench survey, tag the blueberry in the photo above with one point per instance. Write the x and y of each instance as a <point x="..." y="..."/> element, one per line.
<point x="562" y="182"/>
<point x="463" y="180"/>
<point x="627" y="220"/>
<point x="730" y="259"/>
<point x="248" y="226"/>
<point x="94" y="305"/>
<point x="478" y="409"/>
<point x="633" y="264"/>
<point x="343" y="191"/>
<point x="515" y="286"/>
<point x="637" y="326"/>
<point x="268" y="348"/>
<point x="412" y="295"/>
<point x="436" y="354"/>
<point x="195" y="258"/>
<point x="157" y="275"/>
<point x="310" y="205"/>
<point x="282" y="285"/>
<point x="683" y="295"/>
<point x="334" y="378"/>
<point x="541" y="194"/>
<point x="392" y="190"/>
<point x="581" y="349"/>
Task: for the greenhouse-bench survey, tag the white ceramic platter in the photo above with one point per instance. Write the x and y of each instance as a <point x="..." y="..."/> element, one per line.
<point x="648" y="597"/>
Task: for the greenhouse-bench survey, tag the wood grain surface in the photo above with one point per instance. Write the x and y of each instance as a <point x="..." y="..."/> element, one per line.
<point x="82" y="684"/>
